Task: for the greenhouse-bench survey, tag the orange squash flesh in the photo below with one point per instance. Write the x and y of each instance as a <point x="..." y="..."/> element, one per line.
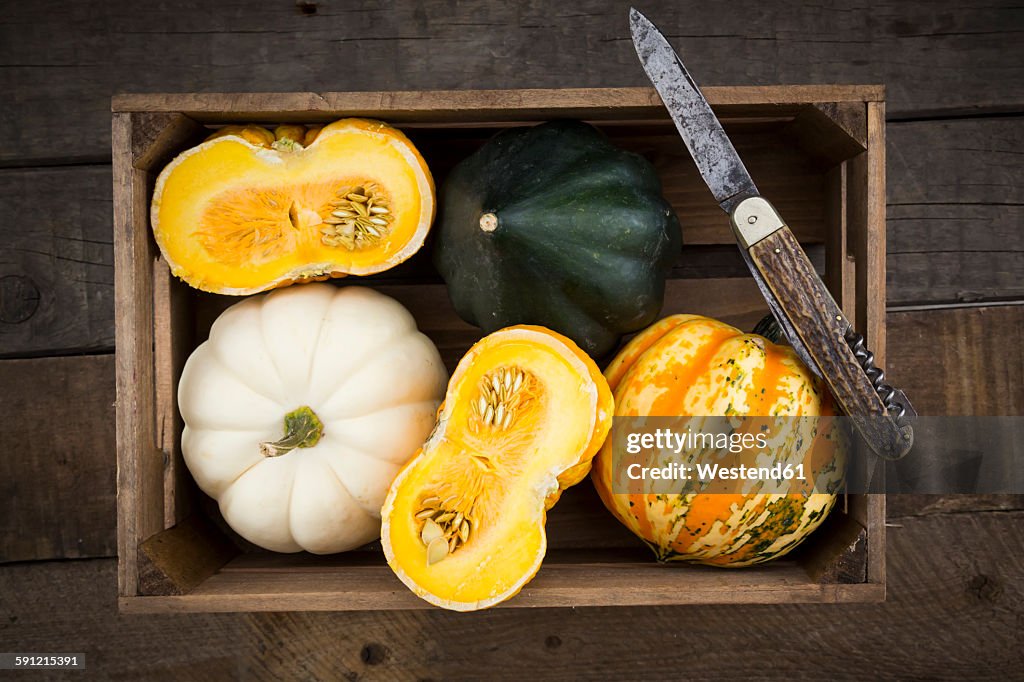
<point x="688" y="365"/>
<point x="496" y="470"/>
<point x="250" y="210"/>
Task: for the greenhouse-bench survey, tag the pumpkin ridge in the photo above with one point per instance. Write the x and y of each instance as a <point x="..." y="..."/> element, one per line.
<point x="272" y="361"/>
<point x="329" y="464"/>
<point x="548" y="190"/>
<point x="242" y="473"/>
<point x="218" y="347"/>
<point x="240" y="481"/>
<point x="360" y="367"/>
<point x="243" y="380"/>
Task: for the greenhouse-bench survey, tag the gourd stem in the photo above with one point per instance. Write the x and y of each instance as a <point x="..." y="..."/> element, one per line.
<point x="302" y="429"/>
<point x="488" y="222"/>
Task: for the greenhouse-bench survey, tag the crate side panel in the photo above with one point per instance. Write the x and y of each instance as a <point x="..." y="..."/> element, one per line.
<point x="556" y="585"/>
<point x="139" y="477"/>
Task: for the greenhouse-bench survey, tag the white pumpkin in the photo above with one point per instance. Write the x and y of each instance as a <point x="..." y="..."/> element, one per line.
<point x="357" y="383"/>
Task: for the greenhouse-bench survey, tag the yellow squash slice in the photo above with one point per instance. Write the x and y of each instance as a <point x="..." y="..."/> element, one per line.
<point x="250" y="209"/>
<point x="524" y="414"/>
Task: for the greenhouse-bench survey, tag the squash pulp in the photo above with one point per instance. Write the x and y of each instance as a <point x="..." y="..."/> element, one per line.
<point x="250" y="210"/>
<point x="523" y="416"/>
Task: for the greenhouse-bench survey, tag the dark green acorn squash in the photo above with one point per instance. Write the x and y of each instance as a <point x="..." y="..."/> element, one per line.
<point x="553" y="225"/>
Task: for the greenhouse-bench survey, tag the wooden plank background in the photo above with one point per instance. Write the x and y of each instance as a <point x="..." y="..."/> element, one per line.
<point x="955" y="103"/>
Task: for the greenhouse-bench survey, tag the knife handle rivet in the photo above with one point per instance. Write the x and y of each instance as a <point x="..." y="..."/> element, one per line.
<point x="752" y="219"/>
<point x="778" y="250"/>
<point x="839" y="318"/>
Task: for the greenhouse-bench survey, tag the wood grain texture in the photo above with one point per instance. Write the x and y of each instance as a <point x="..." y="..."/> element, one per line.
<point x="959" y="361"/>
<point x="57" y="475"/>
<point x="956" y="211"/>
<point x="56" y="261"/>
<point x="457" y="108"/>
<point x="937" y="57"/>
<point x="140" y="462"/>
<point x="51" y="606"/>
<point x="178" y="559"/>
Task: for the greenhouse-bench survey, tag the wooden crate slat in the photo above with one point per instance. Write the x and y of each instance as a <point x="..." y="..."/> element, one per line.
<point x="612" y="584"/>
<point x="503" y="104"/>
<point x="139" y="471"/>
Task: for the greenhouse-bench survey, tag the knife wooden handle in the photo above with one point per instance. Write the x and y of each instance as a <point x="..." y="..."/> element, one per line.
<point x="821" y="326"/>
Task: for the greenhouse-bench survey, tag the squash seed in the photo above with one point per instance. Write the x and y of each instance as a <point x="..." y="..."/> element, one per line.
<point x="431" y="531"/>
<point x="437" y="549"/>
<point x="499" y="398"/>
<point x="358" y="218"/>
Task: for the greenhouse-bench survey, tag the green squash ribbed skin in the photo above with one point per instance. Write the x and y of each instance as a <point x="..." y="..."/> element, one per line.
<point x="583" y="243"/>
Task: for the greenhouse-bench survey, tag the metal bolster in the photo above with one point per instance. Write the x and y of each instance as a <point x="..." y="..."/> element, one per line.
<point x="753" y="219"/>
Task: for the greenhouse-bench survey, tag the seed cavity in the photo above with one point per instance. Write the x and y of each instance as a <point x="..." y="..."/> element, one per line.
<point x="501" y="398"/>
<point x="359" y="217"/>
<point x="446" y="526"/>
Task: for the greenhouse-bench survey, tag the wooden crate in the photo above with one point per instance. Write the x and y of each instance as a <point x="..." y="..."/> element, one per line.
<point x="816" y="151"/>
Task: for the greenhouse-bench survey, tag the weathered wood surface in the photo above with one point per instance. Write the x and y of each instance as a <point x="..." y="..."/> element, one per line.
<point x="956" y="211"/>
<point x="955" y="233"/>
<point x="959" y="361"/>
<point x="949" y="615"/>
<point x="57" y="469"/>
<point x="56" y="261"/>
<point x="938" y="57"/>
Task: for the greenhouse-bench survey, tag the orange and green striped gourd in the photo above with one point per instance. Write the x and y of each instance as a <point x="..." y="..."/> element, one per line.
<point x="694" y="366"/>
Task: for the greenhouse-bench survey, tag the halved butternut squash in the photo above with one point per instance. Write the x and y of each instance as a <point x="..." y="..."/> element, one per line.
<point x="250" y="209"/>
<point x="525" y="412"/>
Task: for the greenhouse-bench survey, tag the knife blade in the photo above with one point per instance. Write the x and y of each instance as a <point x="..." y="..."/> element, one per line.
<point x="808" y="315"/>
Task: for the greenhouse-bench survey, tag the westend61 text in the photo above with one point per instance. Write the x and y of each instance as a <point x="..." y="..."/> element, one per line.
<point x="714" y="472"/>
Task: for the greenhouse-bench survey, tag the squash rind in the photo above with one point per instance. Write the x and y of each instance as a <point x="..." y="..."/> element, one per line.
<point x="576" y="235"/>
<point x="728" y="530"/>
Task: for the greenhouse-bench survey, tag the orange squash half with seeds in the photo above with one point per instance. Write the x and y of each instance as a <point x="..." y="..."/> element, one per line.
<point x="251" y="209"/>
<point x="696" y="367"/>
<point x="463" y="523"/>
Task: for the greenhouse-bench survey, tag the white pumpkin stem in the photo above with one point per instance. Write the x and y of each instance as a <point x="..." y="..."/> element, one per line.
<point x="302" y="429"/>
